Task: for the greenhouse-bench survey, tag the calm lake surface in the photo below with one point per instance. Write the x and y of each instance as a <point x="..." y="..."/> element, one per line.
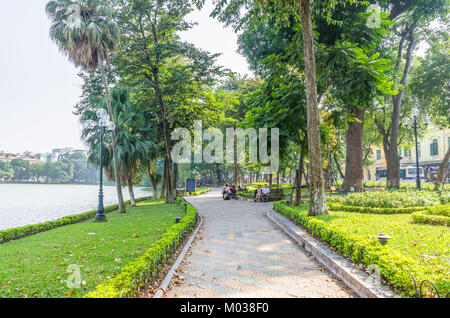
<point x="24" y="204"/>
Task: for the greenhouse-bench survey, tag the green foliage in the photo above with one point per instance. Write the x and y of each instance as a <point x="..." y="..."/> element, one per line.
<point x="391" y="199"/>
<point x="133" y="135"/>
<point x="6" y="170"/>
<point x="430" y="83"/>
<point x="363" y="209"/>
<point x="419" y="248"/>
<point x="158" y="252"/>
<point x="36" y="266"/>
<point x="84" y="30"/>
<point x="439" y="215"/>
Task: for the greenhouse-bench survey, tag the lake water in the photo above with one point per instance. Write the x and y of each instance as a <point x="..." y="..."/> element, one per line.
<point x="24" y="204"/>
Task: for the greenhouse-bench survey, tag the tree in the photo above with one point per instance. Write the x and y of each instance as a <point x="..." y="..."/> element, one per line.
<point x="411" y="17"/>
<point x="283" y="11"/>
<point x="167" y="74"/>
<point x="6" y="170"/>
<point x="86" y="32"/>
<point x="21" y="169"/>
<point x="132" y="138"/>
<point x="430" y="84"/>
<point x="37" y="171"/>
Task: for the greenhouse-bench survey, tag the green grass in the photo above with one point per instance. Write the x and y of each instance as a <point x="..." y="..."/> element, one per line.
<point x="36" y="266"/>
<point x="422" y="249"/>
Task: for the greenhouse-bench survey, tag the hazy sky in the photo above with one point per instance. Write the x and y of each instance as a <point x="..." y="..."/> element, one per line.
<point x="39" y="87"/>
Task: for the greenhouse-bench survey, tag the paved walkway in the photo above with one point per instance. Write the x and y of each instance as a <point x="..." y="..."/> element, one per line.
<point x="240" y="253"/>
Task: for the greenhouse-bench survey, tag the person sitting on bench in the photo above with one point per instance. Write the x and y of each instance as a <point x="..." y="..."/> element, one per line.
<point x="265" y="193"/>
<point x="257" y="194"/>
<point x="226" y="192"/>
<point x="233" y="191"/>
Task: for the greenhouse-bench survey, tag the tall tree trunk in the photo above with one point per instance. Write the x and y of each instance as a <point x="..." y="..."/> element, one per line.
<point x="219" y="175"/>
<point x="131" y="191"/>
<point x="270" y="180"/>
<point x="338" y="166"/>
<point x="317" y="200"/>
<point x="114" y="142"/>
<point x="278" y="179"/>
<point x="392" y="156"/>
<point x="237" y="175"/>
<point x="175" y="176"/>
<point x="299" y="173"/>
<point x="354" y="152"/>
<point x="163" y="186"/>
<point x="154" y="185"/>
<point x="442" y="170"/>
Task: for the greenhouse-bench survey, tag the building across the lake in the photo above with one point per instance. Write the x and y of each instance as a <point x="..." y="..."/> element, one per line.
<point x="432" y="148"/>
<point x="55" y="155"/>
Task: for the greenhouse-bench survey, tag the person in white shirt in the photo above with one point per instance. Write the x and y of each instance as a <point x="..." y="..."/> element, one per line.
<point x="225" y="191"/>
<point x="265" y="193"/>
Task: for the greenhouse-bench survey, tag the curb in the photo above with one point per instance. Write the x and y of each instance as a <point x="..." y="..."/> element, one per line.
<point x="362" y="283"/>
<point x="165" y="283"/>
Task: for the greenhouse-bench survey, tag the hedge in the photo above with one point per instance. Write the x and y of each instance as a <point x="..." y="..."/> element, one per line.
<point x="365" y="250"/>
<point x="439" y="215"/>
<point x="361" y="209"/>
<point x="19" y="232"/>
<point x="158" y="253"/>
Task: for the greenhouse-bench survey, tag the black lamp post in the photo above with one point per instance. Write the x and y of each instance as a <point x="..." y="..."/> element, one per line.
<point x="414" y="121"/>
<point x="103" y="126"/>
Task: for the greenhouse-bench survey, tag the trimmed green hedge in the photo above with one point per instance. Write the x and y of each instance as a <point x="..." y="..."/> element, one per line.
<point x="353" y="237"/>
<point x="393" y="199"/>
<point x="361" y="209"/>
<point x="439" y="215"/>
<point x="158" y="253"/>
<point x="19" y="232"/>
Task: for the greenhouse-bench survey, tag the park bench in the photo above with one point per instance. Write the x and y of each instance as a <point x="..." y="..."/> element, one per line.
<point x="180" y="192"/>
<point x="275" y="195"/>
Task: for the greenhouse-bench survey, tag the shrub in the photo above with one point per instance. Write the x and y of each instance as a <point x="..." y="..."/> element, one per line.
<point x="157" y="253"/>
<point x="361" y="209"/>
<point x="417" y="248"/>
<point x="391" y="199"/>
<point x="439" y="215"/>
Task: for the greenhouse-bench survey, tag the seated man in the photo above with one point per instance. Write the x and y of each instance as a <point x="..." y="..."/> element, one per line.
<point x="265" y="193"/>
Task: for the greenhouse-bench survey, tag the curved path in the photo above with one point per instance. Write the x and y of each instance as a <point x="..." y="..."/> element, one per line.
<point x="240" y="253"/>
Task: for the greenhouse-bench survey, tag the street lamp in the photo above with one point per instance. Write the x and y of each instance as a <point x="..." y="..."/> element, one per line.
<point x="416" y="125"/>
<point x="103" y="125"/>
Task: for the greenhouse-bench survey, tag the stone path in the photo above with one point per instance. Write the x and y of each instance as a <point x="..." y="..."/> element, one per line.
<point x="240" y="253"/>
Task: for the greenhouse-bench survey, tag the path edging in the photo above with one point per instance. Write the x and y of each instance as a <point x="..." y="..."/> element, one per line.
<point x="165" y="283"/>
<point x="360" y="282"/>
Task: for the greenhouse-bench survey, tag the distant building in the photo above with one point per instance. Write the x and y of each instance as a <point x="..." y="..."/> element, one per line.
<point x="59" y="154"/>
<point x="432" y="148"/>
<point x="55" y="155"/>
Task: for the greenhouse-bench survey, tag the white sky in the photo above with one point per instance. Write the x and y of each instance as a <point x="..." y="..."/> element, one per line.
<point x="39" y="87"/>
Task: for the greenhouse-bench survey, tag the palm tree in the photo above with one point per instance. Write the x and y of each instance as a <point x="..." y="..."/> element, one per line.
<point x="132" y="133"/>
<point x="85" y="31"/>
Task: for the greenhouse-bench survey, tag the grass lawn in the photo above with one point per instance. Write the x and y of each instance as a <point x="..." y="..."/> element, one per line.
<point x="36" y="266"/>
<point x="420" y="248"/>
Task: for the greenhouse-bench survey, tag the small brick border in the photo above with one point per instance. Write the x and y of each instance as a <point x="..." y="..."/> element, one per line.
<point x="360" y="282"/>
